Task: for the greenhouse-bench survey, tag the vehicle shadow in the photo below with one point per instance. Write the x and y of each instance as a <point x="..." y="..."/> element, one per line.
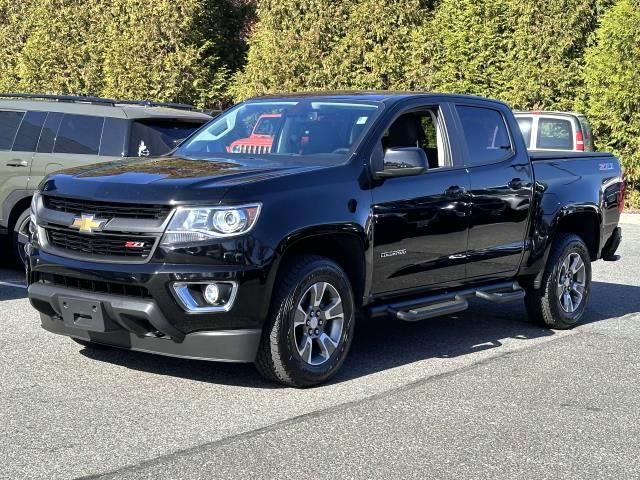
<point x="387" y="343"/>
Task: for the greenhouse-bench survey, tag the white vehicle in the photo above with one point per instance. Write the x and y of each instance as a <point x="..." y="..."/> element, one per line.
<point x="556" y="131"/>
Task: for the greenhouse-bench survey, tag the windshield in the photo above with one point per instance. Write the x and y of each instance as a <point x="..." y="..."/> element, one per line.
<point x="298" y="128"/>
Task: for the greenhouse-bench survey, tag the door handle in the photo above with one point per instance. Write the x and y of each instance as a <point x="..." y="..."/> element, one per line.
<point x="454" y="191"/>
<point x="515" y="184"/>
<point x="17" y="163"/>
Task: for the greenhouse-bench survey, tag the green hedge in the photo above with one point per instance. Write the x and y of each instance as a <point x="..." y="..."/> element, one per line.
<point x="557" y="54"/>
<point x="612" y="87"/>
<point x="163" y="50"/>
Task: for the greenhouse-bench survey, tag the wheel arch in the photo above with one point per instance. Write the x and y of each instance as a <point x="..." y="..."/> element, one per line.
<point x="583" y="221"/>
<point x="344" y="244"/>
<point x="585" y="224"/>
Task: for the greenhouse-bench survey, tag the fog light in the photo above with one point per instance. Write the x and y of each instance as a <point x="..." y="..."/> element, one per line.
<point x="212" y="294"/>
<point x="206" y="297"/>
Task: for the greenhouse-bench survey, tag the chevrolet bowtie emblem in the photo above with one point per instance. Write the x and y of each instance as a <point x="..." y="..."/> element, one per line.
<point x="88" y="224"/>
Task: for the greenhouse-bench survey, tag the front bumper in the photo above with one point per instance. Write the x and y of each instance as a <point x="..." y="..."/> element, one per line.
<point x="135" y="324"/>
<point x="141" y="312"/>
<point x="248" y="311"/>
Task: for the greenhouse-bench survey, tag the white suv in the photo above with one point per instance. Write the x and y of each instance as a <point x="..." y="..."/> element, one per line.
<point x="555" y="131"/>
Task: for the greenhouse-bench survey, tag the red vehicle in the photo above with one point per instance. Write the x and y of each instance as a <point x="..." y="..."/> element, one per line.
<point x="261" y="138"/>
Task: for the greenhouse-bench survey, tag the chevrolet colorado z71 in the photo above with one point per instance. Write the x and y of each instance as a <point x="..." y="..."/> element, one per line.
<point x="396" y="205"/>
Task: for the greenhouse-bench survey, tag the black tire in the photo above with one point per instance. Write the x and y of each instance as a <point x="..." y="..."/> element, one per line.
<point x="16" y="245"/>
<point x="278" y="357"/>
<point x="544" y="305"/>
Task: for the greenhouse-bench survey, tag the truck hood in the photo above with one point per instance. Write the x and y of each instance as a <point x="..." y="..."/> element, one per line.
<point x="165" y="179"/>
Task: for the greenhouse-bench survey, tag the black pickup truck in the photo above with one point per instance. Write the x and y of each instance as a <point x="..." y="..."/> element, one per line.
<point x="263" y="246"/>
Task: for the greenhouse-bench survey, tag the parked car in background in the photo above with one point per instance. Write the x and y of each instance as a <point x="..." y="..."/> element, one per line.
<point x="556" y="131"/>
<point x="261" y="138"/>
<point x="40" y="134"/>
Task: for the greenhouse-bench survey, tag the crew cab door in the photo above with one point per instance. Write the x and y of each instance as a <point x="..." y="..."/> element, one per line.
<point x="419" y="222"/>
<point x="502" y="183"/>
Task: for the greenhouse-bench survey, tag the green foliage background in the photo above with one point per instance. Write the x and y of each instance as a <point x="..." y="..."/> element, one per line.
<point x="557" y="54"/>
<point x="162" y="50"/>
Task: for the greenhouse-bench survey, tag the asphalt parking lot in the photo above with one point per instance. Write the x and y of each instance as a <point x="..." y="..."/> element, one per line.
<point x="479" y="395"/>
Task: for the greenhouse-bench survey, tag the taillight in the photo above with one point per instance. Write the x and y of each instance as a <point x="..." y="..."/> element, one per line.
<point x="621" y="195"/>
<point x="579" y="141"/>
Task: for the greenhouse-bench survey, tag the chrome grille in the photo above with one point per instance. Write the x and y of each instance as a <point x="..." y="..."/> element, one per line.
<point x="254" y="149"/>
<point x="128" y="246"/>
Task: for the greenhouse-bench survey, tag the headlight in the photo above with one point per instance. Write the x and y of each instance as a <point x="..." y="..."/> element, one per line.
<point x="196" y="224"/>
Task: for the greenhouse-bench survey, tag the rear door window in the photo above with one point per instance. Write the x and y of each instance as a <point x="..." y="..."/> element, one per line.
<point x="525" y="124"/>
<point x="152" y="138"/>
<point x="29" y="132"/>
<point x="49" y="132"/>
<point x="9" y="124"/>
<point x="79" y="134"/>
<point x="486" y="134"/>
<point x="554" y="134"/>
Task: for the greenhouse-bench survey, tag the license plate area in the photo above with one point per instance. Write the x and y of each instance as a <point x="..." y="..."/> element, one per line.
<point x="84" y="314"/>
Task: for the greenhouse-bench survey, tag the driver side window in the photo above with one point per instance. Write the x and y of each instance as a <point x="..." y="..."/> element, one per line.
<point x="419" y="128"/>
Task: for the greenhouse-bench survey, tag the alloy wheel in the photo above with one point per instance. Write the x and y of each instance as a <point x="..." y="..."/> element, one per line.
<point x="318" y="323"/>
<point x="571" y="282"/>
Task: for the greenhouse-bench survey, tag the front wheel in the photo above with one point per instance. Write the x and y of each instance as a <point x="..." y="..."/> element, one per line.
<point x="310" y="326"/>
<point x="561" y="300"/>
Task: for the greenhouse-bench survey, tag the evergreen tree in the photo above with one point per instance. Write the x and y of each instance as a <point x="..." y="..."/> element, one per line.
<point x="545" y="51"/>
<point x="14" y="31"/>
<point x="461" y="48"/>
<point x="161" y="50"/>
<point x="63" y="48"/>
<point x="375" y="49"/>
<point x="290" y="46"/>
<point x="612" y="86"/>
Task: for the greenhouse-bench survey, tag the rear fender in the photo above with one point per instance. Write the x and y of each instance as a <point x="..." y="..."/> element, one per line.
<point x="587" y="216"/>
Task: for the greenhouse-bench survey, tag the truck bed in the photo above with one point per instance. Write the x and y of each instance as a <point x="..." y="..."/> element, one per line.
<point x="580" y="181"/>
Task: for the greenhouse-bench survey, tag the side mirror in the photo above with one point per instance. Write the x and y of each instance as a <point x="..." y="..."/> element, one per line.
<point x="402" y="162"/>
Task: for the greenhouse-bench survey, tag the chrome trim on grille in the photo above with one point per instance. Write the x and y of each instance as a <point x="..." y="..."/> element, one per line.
<point x="128" y="228"/>
<point x="43" y="235"/>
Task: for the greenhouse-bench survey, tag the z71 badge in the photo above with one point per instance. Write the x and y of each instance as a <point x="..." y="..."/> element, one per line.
<point x="393" y="253"/>
<point x="606" y="166"/>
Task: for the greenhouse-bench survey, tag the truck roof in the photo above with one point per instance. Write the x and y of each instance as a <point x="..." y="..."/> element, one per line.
<point x="387" y="97"/>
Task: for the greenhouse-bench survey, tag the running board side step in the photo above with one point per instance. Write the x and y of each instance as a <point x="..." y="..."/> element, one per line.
<point x="456" y="305"/>
<point x="501" y="297"/>
<point x="447" y="303"/>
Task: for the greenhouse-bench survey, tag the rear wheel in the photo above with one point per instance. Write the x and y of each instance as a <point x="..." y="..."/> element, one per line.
<point x="561" y="300"/>
<point x="310" y="326"/>
<point x="20" y="237"/>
